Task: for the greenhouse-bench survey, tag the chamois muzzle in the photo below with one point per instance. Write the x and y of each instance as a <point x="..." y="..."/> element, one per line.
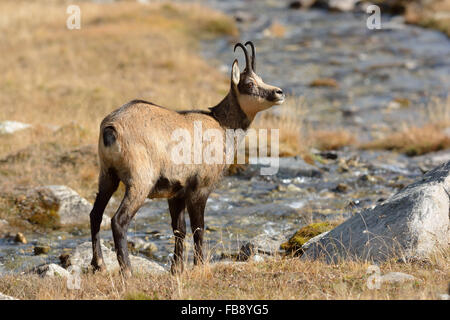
<point x="277" y="96"/>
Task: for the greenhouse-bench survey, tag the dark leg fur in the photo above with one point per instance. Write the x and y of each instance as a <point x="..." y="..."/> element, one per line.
<point x="108" y="183"/>
<point x="196" y="207"/>
<point x="132" y="201"/>
<point x="176" y="208"/>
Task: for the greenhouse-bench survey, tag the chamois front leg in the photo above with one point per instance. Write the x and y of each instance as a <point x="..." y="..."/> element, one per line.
<point x="132" y="201"/>
<point x="176" y="208"/>
<point x="107" y="185"/>
<point x="196" y="207"/>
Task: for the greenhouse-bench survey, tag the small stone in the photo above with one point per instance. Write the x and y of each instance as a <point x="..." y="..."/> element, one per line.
<point x="301" y="4"/>
<point x="5" y="297"/>
<point x="242" y="16"/>
<point x="52" y="270"/>
<point x="20" y="238"/>
<point x="293" y="188"/>
<point x="368" y="178"/>
<point x="341" y="187"/>
<point x="295" y="5"/>
<point x="343" y="167"/>
<point x="330" y="155"/>
<point x="41" y="249"/>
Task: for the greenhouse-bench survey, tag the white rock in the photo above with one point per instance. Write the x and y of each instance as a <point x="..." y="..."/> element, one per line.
<point x="396" y="277"/>
<point x="72" y="208"/>
<point x="5" y="297"/>
<point x="412" y="223"/>
<point x="8" y="127"/>
<point x="342" y="5"/>
<point x="142" y="245"/>
<point x="53" y="270"/>
<point x="266" y="244"/>
<point x="82" y="257"/>
<point x="258" y="258"/>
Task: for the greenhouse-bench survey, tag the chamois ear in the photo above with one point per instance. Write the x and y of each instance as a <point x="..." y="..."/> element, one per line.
<point x="235" y="73"/>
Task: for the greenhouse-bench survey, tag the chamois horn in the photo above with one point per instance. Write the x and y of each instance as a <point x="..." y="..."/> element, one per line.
<point x="253" y="53"/>
<point x="247" y="60"/>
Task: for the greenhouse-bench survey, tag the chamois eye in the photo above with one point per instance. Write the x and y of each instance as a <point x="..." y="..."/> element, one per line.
<point x="250" y="85"/>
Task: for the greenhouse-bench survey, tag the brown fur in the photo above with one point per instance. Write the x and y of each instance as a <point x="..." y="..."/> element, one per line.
<point x="135" y="147"/>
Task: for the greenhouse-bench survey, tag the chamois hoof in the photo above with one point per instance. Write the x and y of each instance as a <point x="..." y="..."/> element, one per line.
<point x="176" y="268"/>
<point x="98" y="266"/>
<point x="126" y="273"/>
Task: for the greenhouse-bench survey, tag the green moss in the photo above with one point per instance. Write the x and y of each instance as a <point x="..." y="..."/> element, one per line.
<point x="294" y="244"/>
<point x="33" y="208"/>
<point x="45" y="218"/>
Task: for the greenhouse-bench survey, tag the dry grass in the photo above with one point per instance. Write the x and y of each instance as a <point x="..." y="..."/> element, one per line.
<point x="278" y="278"/>
<point x="430" y="14"/>
<point x="53" y="77"/>
<point x="417" y="139"/>
<point x="288" y="121"/>
<point x="332" y="139"/>
<point x="324" y="82"/>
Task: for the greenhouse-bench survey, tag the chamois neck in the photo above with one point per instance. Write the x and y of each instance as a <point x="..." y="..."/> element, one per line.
<point x="229" y="113"/>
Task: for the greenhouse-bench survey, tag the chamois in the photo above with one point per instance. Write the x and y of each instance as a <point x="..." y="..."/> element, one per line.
<point x="135" y="148"/>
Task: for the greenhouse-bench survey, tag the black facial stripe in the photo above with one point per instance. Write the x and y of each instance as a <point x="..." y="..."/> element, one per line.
<point x="267" y="94"/>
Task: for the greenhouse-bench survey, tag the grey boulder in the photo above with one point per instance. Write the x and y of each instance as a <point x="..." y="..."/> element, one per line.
<point x="411" y="224"/>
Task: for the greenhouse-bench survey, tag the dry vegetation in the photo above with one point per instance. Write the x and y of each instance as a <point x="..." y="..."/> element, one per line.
<point x="64" y="82"/>
<point x="416" y="139"/>
<point x="430" y="14"/>
<point x="278" y="278"/>
<point x="292" y="140"/>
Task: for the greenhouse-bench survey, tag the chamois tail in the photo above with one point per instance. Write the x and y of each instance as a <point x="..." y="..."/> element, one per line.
<point x="109" y="136"/>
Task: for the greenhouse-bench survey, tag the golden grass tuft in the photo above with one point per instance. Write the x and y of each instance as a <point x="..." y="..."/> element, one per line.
<point x="324" y="82"/>
<point x="433" y="14"/>
<point x="416" y="139"/>
<point x="413" y="141"/>
<point x="331" y="139"/>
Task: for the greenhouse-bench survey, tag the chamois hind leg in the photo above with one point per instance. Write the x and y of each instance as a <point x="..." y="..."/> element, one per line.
<point x="196" y="203"/>
<point x="176" y="208"/>
<point x="135" y="195"/>
<point x="107" y="185"/>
